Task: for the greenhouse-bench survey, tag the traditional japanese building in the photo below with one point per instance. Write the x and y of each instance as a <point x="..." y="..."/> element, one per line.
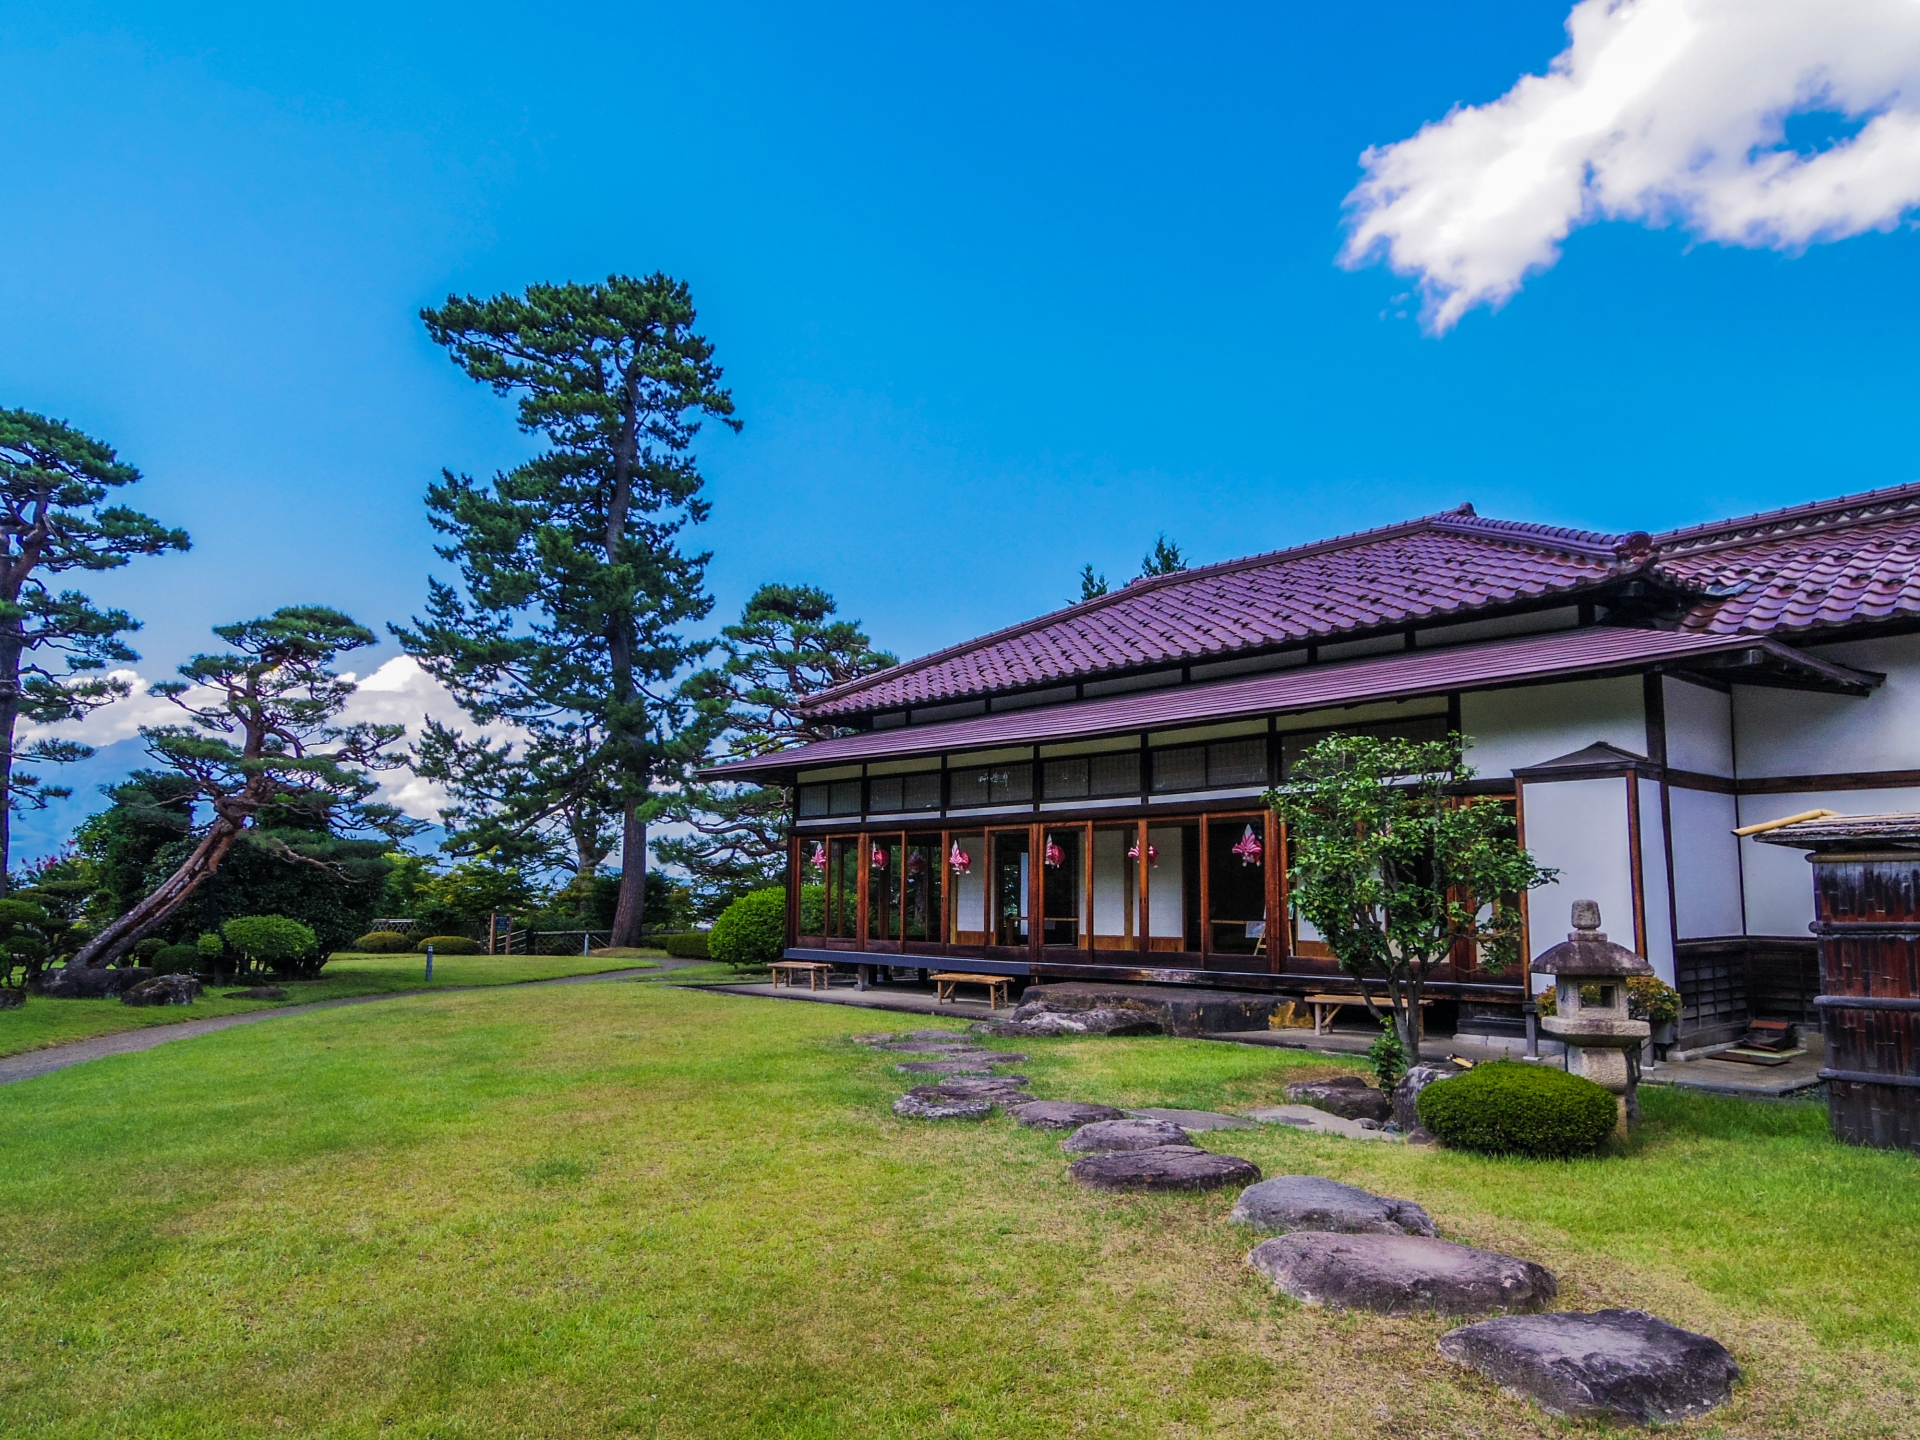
<point x="1079" y="795"/>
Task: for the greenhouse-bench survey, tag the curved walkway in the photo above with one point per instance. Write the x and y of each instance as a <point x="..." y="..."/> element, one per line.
<point x="31" y="1063"/>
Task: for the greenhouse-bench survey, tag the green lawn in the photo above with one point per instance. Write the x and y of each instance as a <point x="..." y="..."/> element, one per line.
<point x="638" y="1210"/>
<point x="42" y="1022"/>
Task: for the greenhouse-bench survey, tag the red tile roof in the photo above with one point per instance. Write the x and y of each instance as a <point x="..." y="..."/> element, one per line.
<point x="1850" y="561"/>
<point x="1453" y="563"/>
<point x="1564" y="654"/>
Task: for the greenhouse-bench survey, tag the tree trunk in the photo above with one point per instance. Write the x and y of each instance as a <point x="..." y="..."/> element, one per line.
<point x="150" y="914"/>
<point x="10" y="648"/>
<point x="629" y="913"/>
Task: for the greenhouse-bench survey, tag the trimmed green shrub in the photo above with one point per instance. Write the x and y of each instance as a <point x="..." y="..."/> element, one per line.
<point x="145" y="950"/>
<point x="691" y="946"/>
<point x="1509" y="1108"/>
<point x="383" y="942"/>
<point x="270" y="942"/>
<point x="752" y="931"/>
<point x="176" y="960"/>
<point x="448" y="945"/>
<point x="210" y="947"/>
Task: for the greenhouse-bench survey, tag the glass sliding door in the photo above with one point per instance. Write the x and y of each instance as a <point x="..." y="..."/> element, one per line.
<point x="813" y="889"/>
<point x="966" y="868"/>
<point x="1063" y="886"/>
<point x="920" y="916"/>
<point x="1012" y="887"/>
<point x="1236" y="864"/>
<point x="884" y="880"/>
<point x="843" y="888"/>
<point x="1116" y="887"/>
<point x="1173" y="888"/>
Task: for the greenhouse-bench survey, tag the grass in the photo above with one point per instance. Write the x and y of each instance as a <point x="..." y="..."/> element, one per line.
<point x="637" y="1210"/>
<point x="42" y="1022"/>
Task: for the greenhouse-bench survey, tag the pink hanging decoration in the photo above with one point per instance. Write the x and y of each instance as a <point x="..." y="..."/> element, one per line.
<point x="916" y="863"/>
<point x="879" y="858"/>
<point x="819" y="857"/>
<point x="960" y="860"/>
<point x="1054" y="854"/>
<point x="1153" y="854"/>
<point x="1248" y="849"/>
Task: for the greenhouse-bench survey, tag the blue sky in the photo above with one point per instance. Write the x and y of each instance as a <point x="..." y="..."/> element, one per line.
<point x="999" y="290"/>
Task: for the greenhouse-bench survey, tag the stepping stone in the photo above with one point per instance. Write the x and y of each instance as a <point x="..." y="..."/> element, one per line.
<point x="1612" y="1364"/>
<point x="920" y="1107"/>
<point x="945" y="1067"/>
<point x="1347" y="1096"/>
<point x="1165" y="1167"/>
<point x="880" y="1039"/>
<point x="1062" y="1114"/>
<point x="956" y="1036"/>
<point x="1008" y="1089"/>
<point x="1319" y="1122"/>
<point x="1400" y="1274"/>
<point x="932" y="1047"/>
<point x="1312" y="1202"/>
<point x="1195" y="1121"/>
<point x="1103" y="1136"/>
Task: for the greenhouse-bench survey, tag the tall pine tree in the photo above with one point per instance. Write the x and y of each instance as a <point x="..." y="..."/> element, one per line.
<point x="54" y="519"/>
<point x="573" y="589"/>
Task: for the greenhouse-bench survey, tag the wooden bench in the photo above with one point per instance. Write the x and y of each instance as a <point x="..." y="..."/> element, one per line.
<point x="1327" y="1008"/>
<point x="945" y="980"/>
<point x="818" y="973"/>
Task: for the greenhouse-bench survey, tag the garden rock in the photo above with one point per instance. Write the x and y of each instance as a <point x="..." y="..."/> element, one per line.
<point x="1165" y="1167"/>
<point x="1320" y="1122"/>
<point x="1311" y="1202"/>
<point x="1036" y="1020"/>
<point x="11" y="999"/>
<point x="1195" y="1121"/>
<point x="1062" y="1114"/>
<point x="1108" y="1135"/>
<point x="962" y="1087"/>
<point x="258" y="992"/>
<point x="162" y="990"/>
<point x="1407" y="1092"/>
<point x="880" y="1039"/>
<point x="1611" y="1364"/>
<point x="1347" y="1096"/>
<point x="1400" y="1274"/>
<point x="921" y="1107"/>
<point x="90" y="982"/>
<point x="945" y="1067"/>
<point x="955" y="1036"/>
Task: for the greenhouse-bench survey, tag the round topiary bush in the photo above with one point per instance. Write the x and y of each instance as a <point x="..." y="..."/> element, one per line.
<point x="144" y="950"/>
<point x="383" y="942"/>
<point x="1507" y="1108"/>
<point x="690" y="946"/>
<point x="448" y="945"/>
<point x="268" y="941"/>
<point x="176" y="960"/>
<point x="752" y="931"/>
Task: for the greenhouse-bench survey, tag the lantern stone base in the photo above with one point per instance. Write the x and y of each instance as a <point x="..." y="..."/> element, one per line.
<point x="1599" y="1049"/>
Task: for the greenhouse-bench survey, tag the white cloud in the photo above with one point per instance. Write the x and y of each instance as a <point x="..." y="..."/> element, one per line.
<point x="1662" y="112"/>
<point x="398" y="693"/>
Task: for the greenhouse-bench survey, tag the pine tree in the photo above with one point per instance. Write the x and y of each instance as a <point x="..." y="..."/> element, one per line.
<point x="1092" y="586"/>
<point x="1164" y="559"/>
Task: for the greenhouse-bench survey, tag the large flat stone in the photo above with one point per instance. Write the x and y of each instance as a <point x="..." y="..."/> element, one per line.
<point x="1177" y="1011"/>
<point x="1062" y="1114"/>
<point x="1036" y="1019"/>
<point x="921" y="1107"/>
<point x="1319" y="1122"/>
<point x="945" y="1067"/>
<point x="1400" y="1274"/>
<point x="1106" y="1135"/>
<point x="1312" y="1202"/>
<point x="1166" y="1167"/>
<point x="1347" y="1096"/>
<point x="978" y="1087"/>
<point x="1611" y="1364"/>
<point x="1196" y="1121"/>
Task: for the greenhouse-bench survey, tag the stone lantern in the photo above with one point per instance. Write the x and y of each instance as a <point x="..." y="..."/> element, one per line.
<point x="1599" y="1036"/>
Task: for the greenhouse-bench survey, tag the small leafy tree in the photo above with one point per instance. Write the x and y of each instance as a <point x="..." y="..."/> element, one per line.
<point x="270" y="942"/>
<point x="54" y="519"/>
<point x="1394" y="870"/>
<point x="29" y="937"/>
<point x="263" y="750"/>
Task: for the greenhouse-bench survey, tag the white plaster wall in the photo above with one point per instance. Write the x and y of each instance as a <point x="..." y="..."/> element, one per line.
<point x="1699" y="728"/>
<point x="1706" y="863"/>
<point x="970" y="886"/>
<point x="1510" y="729"/>
<point x="1779" y="884"/>
<point x="1653" y="884"/>
<point x="1166" y="885"/>
<point x="1110" y="881"/>
<point x="1796" y="732"/>
<point x="1579" y="827"/>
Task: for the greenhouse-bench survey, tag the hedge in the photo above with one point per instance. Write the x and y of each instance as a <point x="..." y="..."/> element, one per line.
<point x="691" y="946"/>
<point x="752" y="931"/>
<point x="383" y="942"/>
<point x="1506" y="1107"/>
<point x="448" y="945"/>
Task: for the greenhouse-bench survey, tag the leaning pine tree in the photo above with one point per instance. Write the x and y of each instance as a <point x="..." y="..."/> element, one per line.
<point x="264" y="736"/>
<point x="566" y="623"/>
<point x="55" y="483"/>
<point x="1396" y="869"/>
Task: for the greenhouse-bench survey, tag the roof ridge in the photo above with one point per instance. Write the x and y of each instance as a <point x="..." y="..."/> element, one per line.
<point x="1816" y="515"/>
<point x="1462" y="520"/>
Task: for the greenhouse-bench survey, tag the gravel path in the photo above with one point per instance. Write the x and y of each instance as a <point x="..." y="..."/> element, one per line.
<point x="77" y="1052"/>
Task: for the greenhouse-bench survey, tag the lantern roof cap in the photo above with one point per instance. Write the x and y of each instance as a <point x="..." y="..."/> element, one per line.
<point x="1588" y="952"/>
